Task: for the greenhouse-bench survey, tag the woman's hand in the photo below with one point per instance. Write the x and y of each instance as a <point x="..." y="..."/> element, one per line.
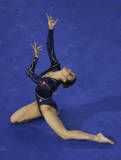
<point x="37" y="50"/>
<point x="51" y="21"/>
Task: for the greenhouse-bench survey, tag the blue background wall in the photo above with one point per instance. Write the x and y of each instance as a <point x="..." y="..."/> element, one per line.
<point x="87" y="39"/>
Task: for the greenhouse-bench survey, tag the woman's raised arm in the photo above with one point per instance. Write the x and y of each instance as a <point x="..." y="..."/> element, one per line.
<point x="50" y="40"/>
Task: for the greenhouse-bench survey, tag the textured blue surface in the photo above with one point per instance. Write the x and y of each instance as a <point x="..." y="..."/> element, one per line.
<point x="87" y="39"/>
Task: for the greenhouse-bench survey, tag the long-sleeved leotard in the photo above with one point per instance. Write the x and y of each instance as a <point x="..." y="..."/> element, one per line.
<point x="55" y="64"/>
<point x="46" y="86"/>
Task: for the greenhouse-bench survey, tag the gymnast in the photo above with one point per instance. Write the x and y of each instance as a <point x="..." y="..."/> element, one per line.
<point x="46" y="84"/>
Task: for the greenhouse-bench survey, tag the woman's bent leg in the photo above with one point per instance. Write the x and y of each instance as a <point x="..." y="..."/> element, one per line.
<point x="26" y="113"/>
<point x="56" y="124"/>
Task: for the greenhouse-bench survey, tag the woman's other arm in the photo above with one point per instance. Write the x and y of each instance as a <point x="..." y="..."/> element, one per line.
<point x="31" y="69"/>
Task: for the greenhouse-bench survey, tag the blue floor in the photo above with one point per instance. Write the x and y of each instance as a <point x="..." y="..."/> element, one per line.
<point x="87" y="39"/>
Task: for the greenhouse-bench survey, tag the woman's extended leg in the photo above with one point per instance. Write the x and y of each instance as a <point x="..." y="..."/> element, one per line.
<point x="55" y="123"/>
<point x="26" y="113"/>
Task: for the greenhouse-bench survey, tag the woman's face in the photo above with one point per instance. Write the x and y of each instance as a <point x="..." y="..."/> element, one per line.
<point x="68" y="74"/>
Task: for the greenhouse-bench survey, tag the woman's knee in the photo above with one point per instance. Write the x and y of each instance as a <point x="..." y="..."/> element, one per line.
<point x="14" y="118"/>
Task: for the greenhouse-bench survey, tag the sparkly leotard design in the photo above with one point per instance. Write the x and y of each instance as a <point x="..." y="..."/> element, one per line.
<point x="46" y="86"/>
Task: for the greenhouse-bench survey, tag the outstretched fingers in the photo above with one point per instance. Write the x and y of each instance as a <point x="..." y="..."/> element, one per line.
<point x="50" y="18"/>
<point x="40" y="47"/>
<point x="56" y="21"/>
<point x="47" y="15"/>
<point x="34" y="46"/>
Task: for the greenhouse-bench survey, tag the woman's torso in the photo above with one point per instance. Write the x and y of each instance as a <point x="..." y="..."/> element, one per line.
<point x="47" y="86"/>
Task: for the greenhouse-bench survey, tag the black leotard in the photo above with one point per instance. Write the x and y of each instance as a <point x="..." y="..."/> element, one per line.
<point x="46" y="86"/>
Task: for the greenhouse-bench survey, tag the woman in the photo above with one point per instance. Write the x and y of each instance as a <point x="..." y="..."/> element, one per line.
<point x="47" y="83"/>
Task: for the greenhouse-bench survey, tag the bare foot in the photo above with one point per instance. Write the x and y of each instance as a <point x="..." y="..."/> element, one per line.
<point x="102" y="139"/>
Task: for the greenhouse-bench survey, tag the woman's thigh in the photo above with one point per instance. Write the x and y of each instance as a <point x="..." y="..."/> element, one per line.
<point x="50" y="116"/>
<point x="27" y="112"/>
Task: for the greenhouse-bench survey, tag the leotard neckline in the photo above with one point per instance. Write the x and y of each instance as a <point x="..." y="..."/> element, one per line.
<point x="51" y="78"/>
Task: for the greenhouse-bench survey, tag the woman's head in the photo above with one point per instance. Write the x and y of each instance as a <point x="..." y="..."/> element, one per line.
<point x="69" y="77"/>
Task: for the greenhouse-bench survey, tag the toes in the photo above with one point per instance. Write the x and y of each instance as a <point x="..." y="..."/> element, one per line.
<point x="102" y="139"/>
<point x="106" y="140"/>
<point x="110" y="141"/>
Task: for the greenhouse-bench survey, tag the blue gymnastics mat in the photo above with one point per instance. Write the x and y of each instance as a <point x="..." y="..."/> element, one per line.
<point x="87" y="39"/>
